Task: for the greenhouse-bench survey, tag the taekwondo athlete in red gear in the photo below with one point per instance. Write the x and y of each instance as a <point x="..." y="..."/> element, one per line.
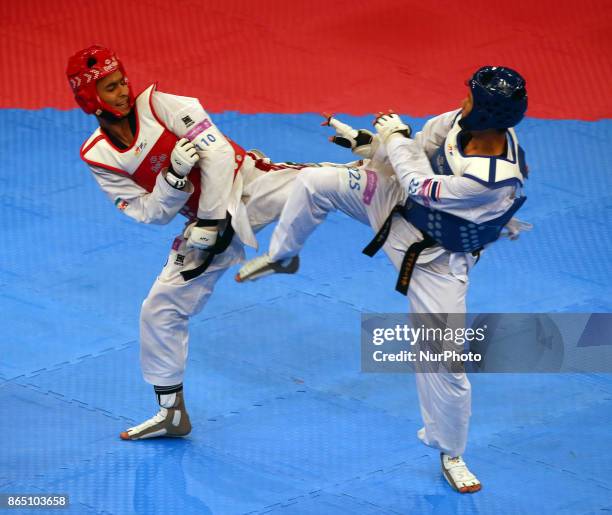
<point x="435" y="202"/>
<point x="156" y="155"/>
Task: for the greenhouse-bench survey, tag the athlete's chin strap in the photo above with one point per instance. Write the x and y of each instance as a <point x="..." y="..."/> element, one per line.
<point x="411" y="256"/>
<point x="220" y="246"/>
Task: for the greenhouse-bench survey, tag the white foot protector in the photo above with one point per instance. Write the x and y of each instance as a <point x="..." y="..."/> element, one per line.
<point x="457" y="474"/>
<point x="150" y="428"/>
<point x="167" y="422"/>
<point x="262" y="265"/>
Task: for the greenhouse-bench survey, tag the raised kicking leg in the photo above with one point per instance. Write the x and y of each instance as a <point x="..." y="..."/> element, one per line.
<point x="361" y="194"/>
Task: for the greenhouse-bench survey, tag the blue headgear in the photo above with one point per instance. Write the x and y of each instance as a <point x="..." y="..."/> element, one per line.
<point x="500" y="99"/>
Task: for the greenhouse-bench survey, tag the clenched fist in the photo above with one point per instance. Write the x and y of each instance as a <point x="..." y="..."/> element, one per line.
<point x="389" y="124"/>
<point x="183" y="157"/>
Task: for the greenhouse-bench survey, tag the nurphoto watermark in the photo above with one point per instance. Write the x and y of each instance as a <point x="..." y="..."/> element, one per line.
<point x="486" y="342"/>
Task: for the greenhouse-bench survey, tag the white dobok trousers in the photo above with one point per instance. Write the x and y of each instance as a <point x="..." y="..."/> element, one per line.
<point x="165" y="313"/>
<point x="438" y="285"/>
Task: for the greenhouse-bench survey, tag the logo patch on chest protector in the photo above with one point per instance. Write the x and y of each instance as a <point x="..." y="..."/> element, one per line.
<point x="140" y="147"/>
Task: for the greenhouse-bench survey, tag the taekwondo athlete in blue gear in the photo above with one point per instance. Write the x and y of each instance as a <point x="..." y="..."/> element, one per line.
<point x="430" y="220"/>
<point x="498" y="100"/>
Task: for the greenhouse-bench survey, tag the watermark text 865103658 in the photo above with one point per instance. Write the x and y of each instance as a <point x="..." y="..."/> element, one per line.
<point x="33" y="501"/>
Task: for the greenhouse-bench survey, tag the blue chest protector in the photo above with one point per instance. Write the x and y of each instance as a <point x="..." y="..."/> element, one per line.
<point x="452" y="232"/>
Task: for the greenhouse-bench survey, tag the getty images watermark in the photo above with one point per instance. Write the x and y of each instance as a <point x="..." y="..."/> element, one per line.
<point x="486" y="342"/>
<point x="424" y="343"/>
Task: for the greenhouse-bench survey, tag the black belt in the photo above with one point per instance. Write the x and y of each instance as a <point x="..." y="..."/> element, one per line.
<point x="224" y="240"/>
<point x="411" y="256"/>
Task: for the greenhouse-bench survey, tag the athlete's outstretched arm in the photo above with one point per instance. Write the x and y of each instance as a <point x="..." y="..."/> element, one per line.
<point x="365" y="144"/>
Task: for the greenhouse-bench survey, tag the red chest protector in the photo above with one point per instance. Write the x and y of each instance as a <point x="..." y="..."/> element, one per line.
<point x="149" y="153"/>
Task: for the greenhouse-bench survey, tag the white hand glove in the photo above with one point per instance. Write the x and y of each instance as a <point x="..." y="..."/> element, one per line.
<point x="514" y="228"/>
<point x="183" y="157"/>
<point x="361" y="141"/>
<point x="390" y="124"/>
<point x="200" y="237"/>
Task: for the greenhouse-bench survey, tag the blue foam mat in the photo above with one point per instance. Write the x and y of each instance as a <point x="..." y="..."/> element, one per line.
<point x="284" y="422"/>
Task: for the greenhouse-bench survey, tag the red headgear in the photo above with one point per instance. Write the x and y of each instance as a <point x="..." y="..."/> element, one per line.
<point x="85" y="69"/>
